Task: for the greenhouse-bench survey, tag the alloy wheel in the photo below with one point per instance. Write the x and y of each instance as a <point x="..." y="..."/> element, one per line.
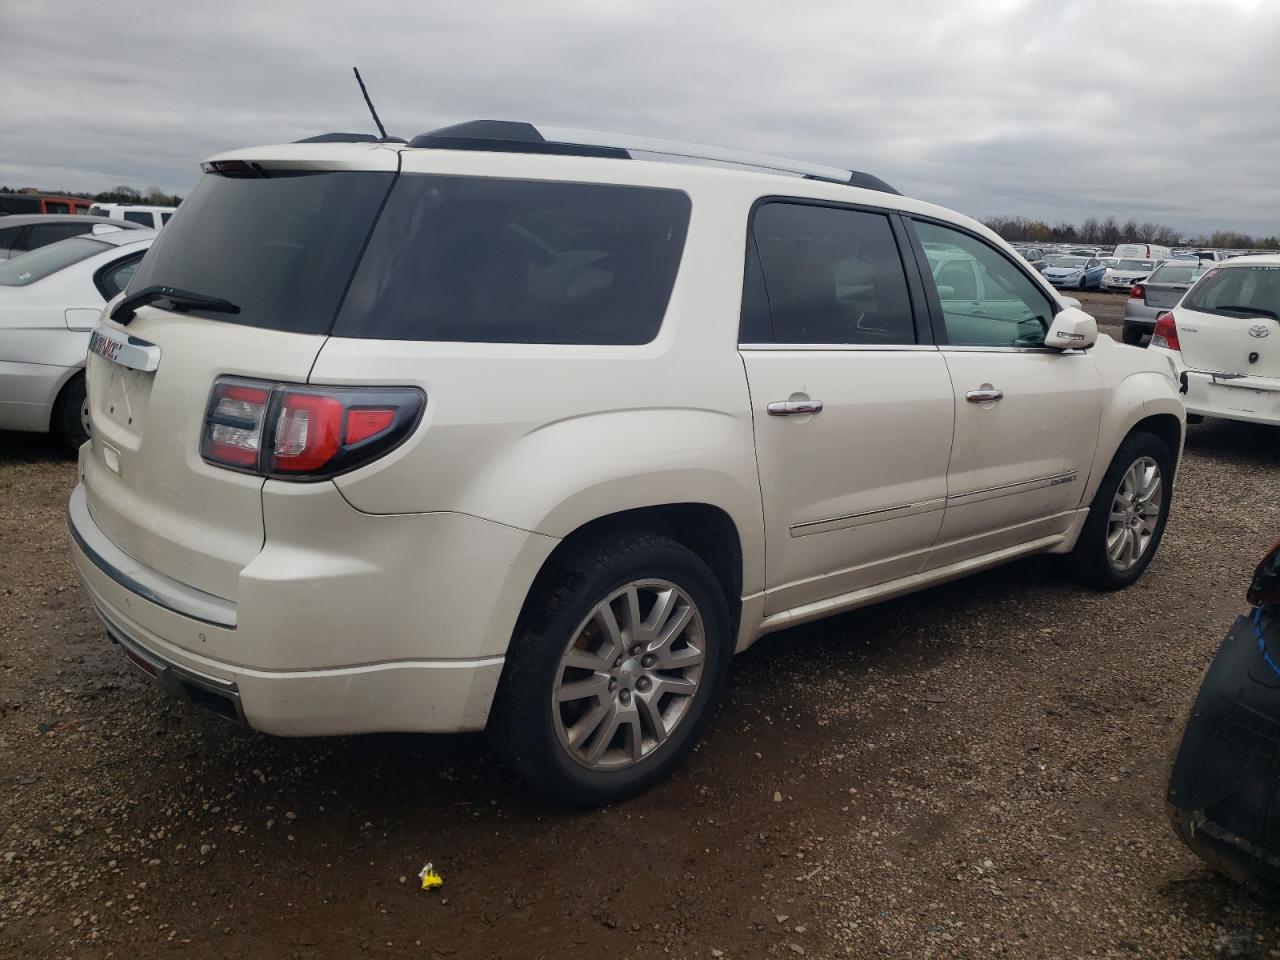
<point x="1135" y="513"/>
<point x="629" y="675"/>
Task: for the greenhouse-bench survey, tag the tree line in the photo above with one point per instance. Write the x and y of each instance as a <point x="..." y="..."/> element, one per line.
<point x="153" y="196"/>
<point x="1110" y="231"/>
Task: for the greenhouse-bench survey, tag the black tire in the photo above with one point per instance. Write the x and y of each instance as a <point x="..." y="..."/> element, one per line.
<point x="67" y="421"/>
<point x="522" y="728"/>
<point x="1132" y="335"/>
<point x="1089" y="559"/>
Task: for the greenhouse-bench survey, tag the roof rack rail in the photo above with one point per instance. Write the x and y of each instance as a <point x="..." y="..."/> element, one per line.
<point x="349" y="138"/>
<point x="520" y="137"/>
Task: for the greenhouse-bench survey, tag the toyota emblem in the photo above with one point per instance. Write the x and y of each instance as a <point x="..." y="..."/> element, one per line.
<point x="1259" y="330"/>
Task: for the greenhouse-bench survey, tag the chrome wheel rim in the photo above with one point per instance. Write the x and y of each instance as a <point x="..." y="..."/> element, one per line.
<point x="1135" y="512"/>
<point x="628" y="677"/>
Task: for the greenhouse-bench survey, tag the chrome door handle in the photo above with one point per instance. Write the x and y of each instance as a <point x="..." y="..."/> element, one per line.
<point x="985" y="395"/>
<point x="794" y="408"/>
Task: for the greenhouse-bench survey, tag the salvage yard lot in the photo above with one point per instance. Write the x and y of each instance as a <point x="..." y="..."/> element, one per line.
<point x="973" y="771"/>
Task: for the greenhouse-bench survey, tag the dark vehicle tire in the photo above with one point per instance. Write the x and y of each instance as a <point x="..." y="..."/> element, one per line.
<point x="1084" y="282"/>
<point x="618" y="661"/>
<point x="71" y="414"/>
<point x="1127" y="519"/>
<point x="1132" y="335"/>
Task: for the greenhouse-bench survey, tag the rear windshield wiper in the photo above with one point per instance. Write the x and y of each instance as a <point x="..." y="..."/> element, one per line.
<point x="126" y="308"/>
<point x="1238" y="308"/>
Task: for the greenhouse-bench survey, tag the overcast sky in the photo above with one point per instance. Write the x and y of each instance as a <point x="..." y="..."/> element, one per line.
<point x="1165" y="110"/>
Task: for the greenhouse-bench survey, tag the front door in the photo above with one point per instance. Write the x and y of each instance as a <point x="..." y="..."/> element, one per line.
<point x="852" y="408"/>
<point x="1027" y="417"/>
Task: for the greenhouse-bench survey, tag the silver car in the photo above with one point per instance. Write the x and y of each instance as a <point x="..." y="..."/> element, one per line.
<point x="1158" y="294"/>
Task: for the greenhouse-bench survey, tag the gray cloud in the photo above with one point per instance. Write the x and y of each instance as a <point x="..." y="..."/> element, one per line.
<point x="1060" y="109"/>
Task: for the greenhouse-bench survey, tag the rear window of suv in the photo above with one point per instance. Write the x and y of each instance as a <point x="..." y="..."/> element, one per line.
<point x="490" y="260"/>
<point x="281" y="247"/>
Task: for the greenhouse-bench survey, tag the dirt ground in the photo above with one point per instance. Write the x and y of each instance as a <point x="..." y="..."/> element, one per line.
<point x="975" y="771"/>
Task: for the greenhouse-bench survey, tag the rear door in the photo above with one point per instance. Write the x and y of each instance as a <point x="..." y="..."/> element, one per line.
<point x="852" y="406"/>
<point x="1026" y="417"/>
<point x="282" y="248"/>
<point x="1230" y="321"/>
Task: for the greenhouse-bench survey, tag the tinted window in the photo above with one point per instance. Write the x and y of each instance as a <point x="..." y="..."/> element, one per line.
<point x="516" y="261"/>
<point x="1178" y="273"/>
<point x="43" y="234"/>
<point x="57" y="206"/>
<point x="832" y="275"/>
<point x="1237" y="292"/>
<point x="19" y="204"/>
<point x="164" y="218"/>
<point x="1124" y="265"/>
<point x="281" y="247"/>
<point x="1010" y="309"/>
<point x="8" y="237"/>
<point x="38" y="264"/>
<point x="115" y="276"/>
<point x="136" y="216"/>
<point x="99" y="212"/>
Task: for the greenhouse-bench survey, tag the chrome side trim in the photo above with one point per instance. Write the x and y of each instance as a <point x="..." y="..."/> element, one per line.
<point x="137" y="578"/>
<point x="810" y="527"/>
<point x="1005" y="489"/>
<point x="843" y="347"/>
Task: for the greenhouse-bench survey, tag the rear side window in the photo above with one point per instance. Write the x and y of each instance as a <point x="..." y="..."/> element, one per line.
<point x="832" y="275"/>
<point x="116" y="275"/>
<point x="135" y="216"/>
<point x="281" y="247"/>
<point x="489" y="260"/>
<point x="1237" y="292"/>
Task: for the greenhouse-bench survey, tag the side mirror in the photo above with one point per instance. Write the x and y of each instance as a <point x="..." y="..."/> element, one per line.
<point x="946" y="293"/>
<point x="1072" y="329"/>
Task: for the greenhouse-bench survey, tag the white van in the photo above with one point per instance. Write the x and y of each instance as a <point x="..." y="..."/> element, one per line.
<point x="147" y="216"/>
<point x="1141" y="251"/>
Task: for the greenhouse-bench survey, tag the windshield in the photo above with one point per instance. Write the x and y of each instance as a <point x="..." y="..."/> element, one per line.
<point x="38" y="264"/>
<point x="1062" y="261"/>
<point x="282" y="246"/>
<point x="1178" y="273"/>
<point x="1237" y="292"/>
<point x="1135" y="265"/>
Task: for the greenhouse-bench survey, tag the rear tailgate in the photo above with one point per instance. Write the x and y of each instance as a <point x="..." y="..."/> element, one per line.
<point x="1230" y="322"/>
<point x="1164" y="296"/>
<point x="275" y="239"/>
<point x="147" y="487"/>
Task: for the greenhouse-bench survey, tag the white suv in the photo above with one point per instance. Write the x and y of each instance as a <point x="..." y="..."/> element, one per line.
<point x="508" y="428"/>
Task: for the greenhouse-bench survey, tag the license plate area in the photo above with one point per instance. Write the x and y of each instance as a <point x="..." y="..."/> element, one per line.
<point x="123" y="400"/>
<point x="1245" y="399"/>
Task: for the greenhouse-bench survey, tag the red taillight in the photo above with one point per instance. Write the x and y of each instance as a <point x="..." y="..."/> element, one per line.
<point x="295" y="432"/>
<point x="1166" y="333"/>
<point x="1137" y="292"/>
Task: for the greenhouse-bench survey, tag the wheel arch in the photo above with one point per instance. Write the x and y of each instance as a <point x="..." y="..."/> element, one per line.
<point x="707" y="530"/>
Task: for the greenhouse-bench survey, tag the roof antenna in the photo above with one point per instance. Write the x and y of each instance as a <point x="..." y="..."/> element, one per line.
<point x="381" y="129"/>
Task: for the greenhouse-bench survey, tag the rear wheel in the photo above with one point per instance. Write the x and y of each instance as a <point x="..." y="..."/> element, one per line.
<point x="1127" y="519"/>
<point x="71" y="413"/>
<point x="615" y="669"/>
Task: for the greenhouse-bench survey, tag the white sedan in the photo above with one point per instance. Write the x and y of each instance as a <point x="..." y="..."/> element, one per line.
<point x="50" y="300"/>
<point x="1224" y="339"/>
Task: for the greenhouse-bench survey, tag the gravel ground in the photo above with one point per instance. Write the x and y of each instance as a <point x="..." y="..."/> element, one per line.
<point x="975" y="771"/>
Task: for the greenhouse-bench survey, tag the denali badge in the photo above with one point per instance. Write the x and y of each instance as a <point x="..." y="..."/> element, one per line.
<point x="1259" y="330"/>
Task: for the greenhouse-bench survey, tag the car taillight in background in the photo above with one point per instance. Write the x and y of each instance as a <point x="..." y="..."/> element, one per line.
<point x="1166" y="333"/>
<point x="296" y="432"/>
<point x="1137" y="292"/>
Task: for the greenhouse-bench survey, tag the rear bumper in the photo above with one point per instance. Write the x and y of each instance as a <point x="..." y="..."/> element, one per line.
<point x="1250" y="399"/>
<point x="269" y="660"/>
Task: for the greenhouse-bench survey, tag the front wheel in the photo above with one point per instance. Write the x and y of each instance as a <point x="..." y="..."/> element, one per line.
<point x="616" y="667"/>
<point x="1127" y="518"/>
